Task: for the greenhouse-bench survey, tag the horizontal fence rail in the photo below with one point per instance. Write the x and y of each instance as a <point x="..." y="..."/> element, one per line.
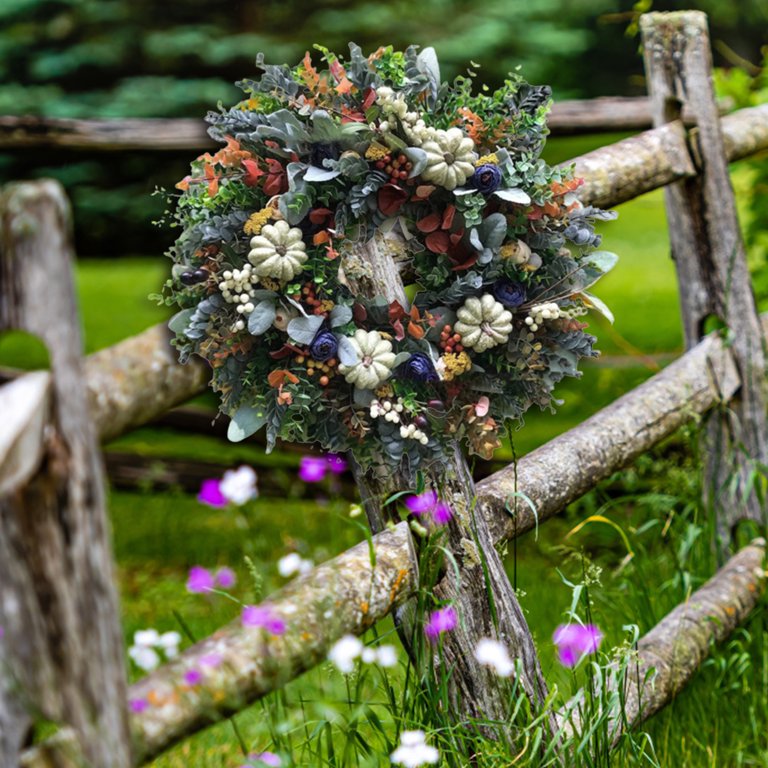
<point x="612" y="113"/>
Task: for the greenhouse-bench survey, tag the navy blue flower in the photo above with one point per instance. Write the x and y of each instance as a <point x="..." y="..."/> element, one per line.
<point x="486" y="179"/>
<point x="324" y="346"/>
<point x="510" y="294"/>
<point x="418" y="367"/>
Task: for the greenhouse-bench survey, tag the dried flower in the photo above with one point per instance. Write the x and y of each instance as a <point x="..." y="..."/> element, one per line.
<point x="418" y="367"/>
<point x="486" y="179"/>
<point x="510" y="294"/>
<point x="324" y="346"/>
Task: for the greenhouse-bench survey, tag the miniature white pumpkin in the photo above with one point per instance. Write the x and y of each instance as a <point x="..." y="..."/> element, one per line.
<point x="375" y="360"/>
<point x="483" y="323"/>
<point x="450" y="158"/>
<point x="279" y="251"/>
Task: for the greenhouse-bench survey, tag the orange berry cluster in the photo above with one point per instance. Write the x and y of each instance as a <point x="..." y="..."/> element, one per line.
<point x="450" y="342"/>
<point x="398" y="168"/>
<point x="309" y="297"/>
<point x="325" y="370"/>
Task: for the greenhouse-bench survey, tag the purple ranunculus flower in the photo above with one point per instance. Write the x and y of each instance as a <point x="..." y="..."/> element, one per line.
<point x="574" y="641"/>
<point x="200" y="579"/>
<point x="210" y="494"/>
<point x="418" y="367"/>
<point x="486" y="179"/>
<point x="313" y="469"/>
<point x="510" y="294"/>
<point x="324" y="346"/>
<point x="441" y="620"/>
<point x="263" y="617"/>
<point x="337" y="464"/>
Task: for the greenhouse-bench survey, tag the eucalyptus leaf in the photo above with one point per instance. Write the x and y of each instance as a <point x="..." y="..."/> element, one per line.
<point x="320" y="174"/>
<point x="303" y="329"/>
<point x="262" y="317"/>
<point x="419" y="159"/>
<point x="513" y="196"/>
<point x="363" y="397"/>
<point x="179" y="322"/>
<point x="340" y="315"/>
<point x="346" y="352"/>
<point x="400" y="358"/>
<point x="598" y="305"/>
<point x="603" y="261"/>
<point x="245" y="422"/>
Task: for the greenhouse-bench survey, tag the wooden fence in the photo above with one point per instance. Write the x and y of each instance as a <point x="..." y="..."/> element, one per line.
<point x="61" y="655"/>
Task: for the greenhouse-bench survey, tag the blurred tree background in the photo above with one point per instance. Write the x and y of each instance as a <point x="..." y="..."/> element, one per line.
<point x="178" y="58"/>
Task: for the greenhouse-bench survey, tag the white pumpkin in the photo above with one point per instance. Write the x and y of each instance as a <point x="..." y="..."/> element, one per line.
<point x="278" y="251"/>
<point x="450" y="158"/>
<point x="375" y="360"/>
<point x="483" y="323"/>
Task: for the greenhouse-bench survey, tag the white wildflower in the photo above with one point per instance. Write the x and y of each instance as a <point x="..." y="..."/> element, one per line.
<point x="292" y="564"/>
<point x="344" y="652"/>
<point x="144" y="657"/>
<point x="239" y="485"/>
<point x="492" y="653"/>
<point x="414" y="751"/>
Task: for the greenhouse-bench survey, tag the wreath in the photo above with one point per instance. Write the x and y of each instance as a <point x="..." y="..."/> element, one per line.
<point x="320" y="164"/>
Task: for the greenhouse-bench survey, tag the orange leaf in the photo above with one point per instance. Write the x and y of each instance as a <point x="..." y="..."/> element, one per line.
<point x="321" y="237"/>
<point x="415" y="330"/>
<point x="280" y="376"/>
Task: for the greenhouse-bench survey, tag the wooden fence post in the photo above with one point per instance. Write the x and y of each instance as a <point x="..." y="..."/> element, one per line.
<point x="61" y="651"/>
<point x="475" y="690"/>
<point x="710" y="258"/>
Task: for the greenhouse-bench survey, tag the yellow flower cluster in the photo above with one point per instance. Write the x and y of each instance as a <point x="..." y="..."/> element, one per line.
<point x="256" y="221"/>
<point x="456" y="363"/>
<point x="270" y="283"/>
<point x="376" y="152"/>
<point x="487" y="160"/>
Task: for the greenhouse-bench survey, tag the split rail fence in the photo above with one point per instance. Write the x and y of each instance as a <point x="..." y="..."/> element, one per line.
<point x="61" y="654"/>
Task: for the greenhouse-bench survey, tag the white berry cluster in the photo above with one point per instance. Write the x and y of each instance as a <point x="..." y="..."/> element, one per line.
<point x="392" y="412"/>
<point x="393" y="107"/>
<point x="412" y="432"/>
<point x="237" y="287"/>
<point x="541" y="312"/>
<point x="386" y="408"/>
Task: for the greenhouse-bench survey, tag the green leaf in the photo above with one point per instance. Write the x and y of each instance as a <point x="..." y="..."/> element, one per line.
<point x="419" y="159"/>
<point x="597" y="304"/>
<point x="347" y="352"/>
<point x="513" y="196"/>
<point x="245" y="422"/>
<point x="261" y="318"/>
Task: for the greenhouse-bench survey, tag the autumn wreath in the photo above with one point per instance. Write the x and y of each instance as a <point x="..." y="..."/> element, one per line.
<point x="317" y="162"/>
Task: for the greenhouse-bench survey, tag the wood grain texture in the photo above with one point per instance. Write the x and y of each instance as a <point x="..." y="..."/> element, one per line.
<point x="710" y="259"/>
<point x="372" y="271"/>
<point x="61" y="657"/>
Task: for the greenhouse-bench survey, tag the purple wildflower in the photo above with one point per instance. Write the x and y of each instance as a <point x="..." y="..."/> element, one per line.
<point x="441" y="620"/>
<point x="138" y="705"/>
<point x="313" y="468"/>
<point x="211" y="660"/>
<point x="199" y="580"/>
<point x="264" y="617"/>
<point x="337" y="464"/>
<point x="263" y="758"/>
<point x="193" y="677"/>
<point x="210" y="494"/>
<point x="574" y="641"/>
<point x="225" y="578"/>
<point x="429" y="504"/>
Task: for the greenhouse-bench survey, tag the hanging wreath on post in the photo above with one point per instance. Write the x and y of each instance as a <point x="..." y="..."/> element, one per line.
<point x="497" y="246"/>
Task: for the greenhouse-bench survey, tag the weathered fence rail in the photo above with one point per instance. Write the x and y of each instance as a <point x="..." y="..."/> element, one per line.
<point x="614" y="113"/>
<point x="135" y="381"/>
